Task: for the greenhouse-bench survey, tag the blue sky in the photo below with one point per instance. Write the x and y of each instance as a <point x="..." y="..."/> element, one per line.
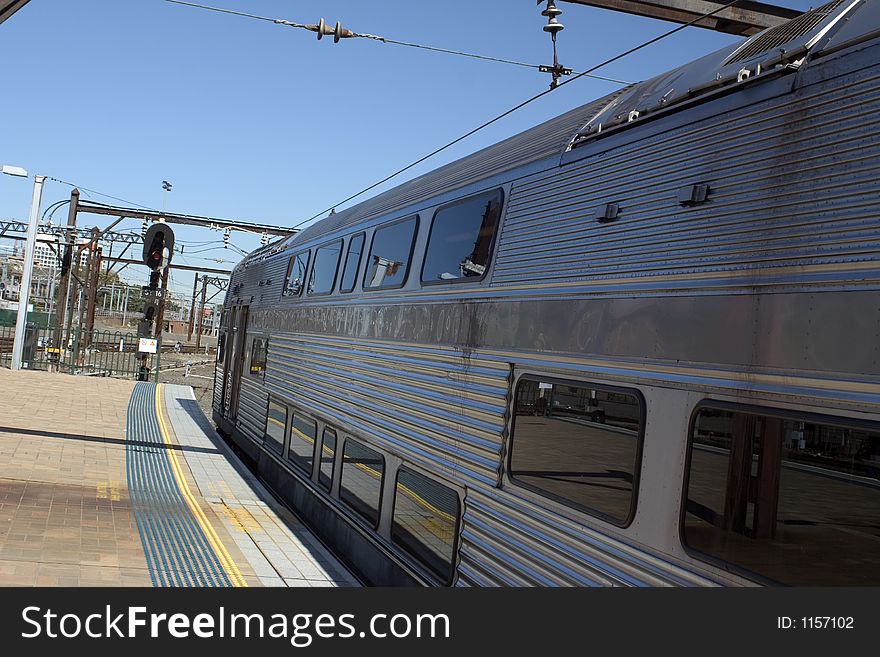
<point x="263" y="123"/>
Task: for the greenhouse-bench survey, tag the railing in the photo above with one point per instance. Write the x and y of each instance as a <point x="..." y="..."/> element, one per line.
<point x="110" y="353"/>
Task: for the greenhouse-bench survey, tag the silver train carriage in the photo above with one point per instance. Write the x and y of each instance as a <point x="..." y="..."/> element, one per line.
<point x="636" y="345"/>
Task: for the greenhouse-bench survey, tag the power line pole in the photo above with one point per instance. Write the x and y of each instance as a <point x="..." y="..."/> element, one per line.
<point x="192" y="312"/>
<point x="62" y="303"/>
<point x="93" y="295"/>
<point x="201" y="312"/>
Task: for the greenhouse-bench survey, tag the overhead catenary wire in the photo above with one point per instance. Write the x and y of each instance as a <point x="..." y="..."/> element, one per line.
<point x="517" y="107"/>
<point x="93" y="191"/>
<point x="382" y="39"/>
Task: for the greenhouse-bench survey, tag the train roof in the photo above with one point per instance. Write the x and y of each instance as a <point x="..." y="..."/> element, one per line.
<point x="826" y="27"/>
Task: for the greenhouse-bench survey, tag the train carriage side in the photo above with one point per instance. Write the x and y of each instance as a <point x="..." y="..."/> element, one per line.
<point x="633" y="346"/>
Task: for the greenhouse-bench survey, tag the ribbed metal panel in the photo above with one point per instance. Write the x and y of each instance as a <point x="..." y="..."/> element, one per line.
<point x="251" y="418"/>
<point x="783" y="34"/>
<point x="432" y="406"/>
<point x="793" y="181"/>
<point x="218" y="389"/>
<point x="507" y="541"/>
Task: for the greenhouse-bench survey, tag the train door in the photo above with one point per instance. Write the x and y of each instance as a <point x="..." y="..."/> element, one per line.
<point x="239" y="333"/>
<point x="228" y="333"/>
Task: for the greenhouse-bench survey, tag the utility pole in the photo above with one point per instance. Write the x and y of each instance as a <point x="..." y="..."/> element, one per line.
<point x="63" y="301"/>
<point x="24" y="293"/>
<point x="192" y="312"/>
<point x="93" y="295"/>
<point x="201" y="312"/>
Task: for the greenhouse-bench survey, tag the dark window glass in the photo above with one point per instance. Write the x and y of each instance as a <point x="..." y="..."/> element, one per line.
<point x="328" y="456"/>
<point x="793" y="499"/>
<point x="425" y="521"/>
<point x="296" y="274"/>
<point x="324" y="269"/>
<point x="276" y="420"/>
<point x="461" y="239"/>
<point x="390" y="254"/>
<point x="303" y="432"/>
<point x="259" y="354"/>
<point x="361" y="483"/>
<point x="579" y="444"/>
<point x="221" y="347"/>
<point x="352" y="262"/>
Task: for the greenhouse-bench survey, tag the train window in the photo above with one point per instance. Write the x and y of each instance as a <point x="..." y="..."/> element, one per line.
<point x="390" y="254"/>
<point x="461" y="239"/>
<point x="361" y="484"/>
<point x="426" y="521"/>
<point x="259" y="355"/>
<point x="580" y="444"/>
<point x="296" y="274"/>
<point x="324" y="270"/>
<point x="221" y="347"/>
<point x="352" y="263"/>
<point x="793" y="499"/>
<point x="328" y="458"/>
<point x="276" y="421"/>
<point x="303" y="432"/>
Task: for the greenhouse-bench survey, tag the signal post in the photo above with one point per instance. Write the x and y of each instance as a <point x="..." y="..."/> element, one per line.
<point x="158" y="250"/>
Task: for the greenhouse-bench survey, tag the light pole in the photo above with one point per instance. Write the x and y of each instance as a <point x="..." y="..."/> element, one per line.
<point x="27" y="272"/>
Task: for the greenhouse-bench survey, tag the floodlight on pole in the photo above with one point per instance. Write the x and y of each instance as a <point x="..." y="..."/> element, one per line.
<point x="14" y="171"/>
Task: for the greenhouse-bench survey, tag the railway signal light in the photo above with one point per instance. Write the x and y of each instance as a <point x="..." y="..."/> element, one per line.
<point x="158" y="246"/>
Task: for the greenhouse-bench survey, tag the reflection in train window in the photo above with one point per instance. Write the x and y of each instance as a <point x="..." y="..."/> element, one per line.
<point x="324" y="270"/>
<point x="792" y="499"/>
<point x="276" y="421"/>
<point x="296" y="274"/>
<point x="425" y="521"/>
<point x="328" y="457"/>
<point x="361" y="483"/>
<point x="579" y="444"/>
<point x="461" y="239"/>
<point x="259" y="355"/>
<point x="390" y="254"/>
<point x="303" y="432"/>
<point x="352" y="263"/>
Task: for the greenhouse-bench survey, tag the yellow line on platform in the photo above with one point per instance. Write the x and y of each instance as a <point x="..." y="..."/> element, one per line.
<point x="223" y="556"/>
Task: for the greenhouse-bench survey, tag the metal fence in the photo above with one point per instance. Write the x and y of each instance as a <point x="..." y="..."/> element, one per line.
<point x="110" y="353"/>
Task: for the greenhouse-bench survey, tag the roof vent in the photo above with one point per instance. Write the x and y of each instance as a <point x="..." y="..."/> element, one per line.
<point x="780" y="35"/>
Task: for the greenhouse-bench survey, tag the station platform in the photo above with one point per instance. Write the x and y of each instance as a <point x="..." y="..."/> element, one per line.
<point x="105" y="482"/>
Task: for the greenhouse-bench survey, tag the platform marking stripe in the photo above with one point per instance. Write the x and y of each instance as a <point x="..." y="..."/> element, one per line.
<point x="189" y="536"/>
<point x="155" y="511"/>
<point x="220" y="550"/>
<point x="176" y="549"/>
<point x="194" y="545"/>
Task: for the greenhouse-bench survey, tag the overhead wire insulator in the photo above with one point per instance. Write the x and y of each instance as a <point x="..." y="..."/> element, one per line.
<point x="337" y="32"/>
<point x="226" y="238"/>
<point x="553" y="27"/>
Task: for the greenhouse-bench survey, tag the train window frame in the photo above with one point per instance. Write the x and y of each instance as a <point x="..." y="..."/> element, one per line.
<point x="409" y="260"/>
<point x="285" y="290"/>
<point x="328" y="486"/>
<point x="348" y="505"/>
<point x="271" y="450"/>
<point x="357" y="267"/>
<point x="456" y="532"/>
<point x="565" y="502"/>
<point x="314" y="263"/>
<point x="261" y="373"/>
<point x="295" y="459"/>
<point x="826" y="419"/>
<point x="499" y="192"/>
